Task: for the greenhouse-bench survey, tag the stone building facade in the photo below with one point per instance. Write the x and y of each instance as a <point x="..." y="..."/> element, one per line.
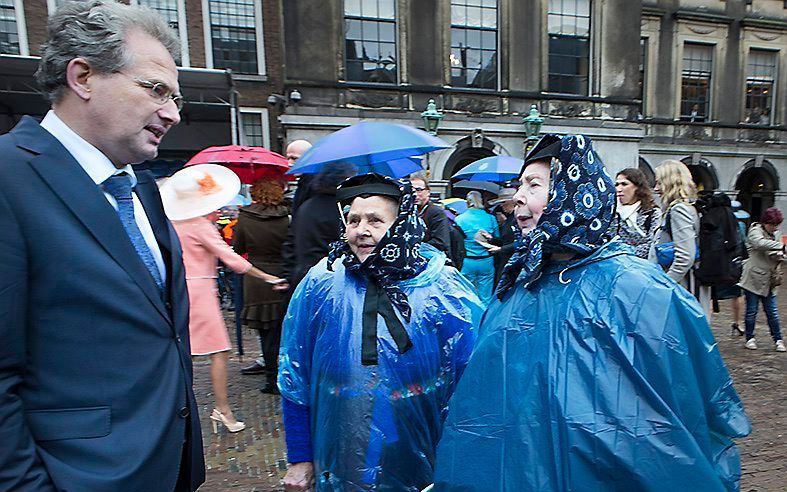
<point x="702" y="81"/>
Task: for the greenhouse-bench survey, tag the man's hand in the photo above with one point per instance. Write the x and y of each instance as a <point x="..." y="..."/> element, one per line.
<point x="482" y="236"/>
<point x="299" y="477"/>
<point x="493" y="249"/>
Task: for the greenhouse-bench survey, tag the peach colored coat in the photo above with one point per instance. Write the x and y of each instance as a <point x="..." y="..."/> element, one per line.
<point x="202" y="247"/>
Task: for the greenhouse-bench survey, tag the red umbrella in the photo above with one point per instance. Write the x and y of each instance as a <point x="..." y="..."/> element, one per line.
<point x="249" y="163"/>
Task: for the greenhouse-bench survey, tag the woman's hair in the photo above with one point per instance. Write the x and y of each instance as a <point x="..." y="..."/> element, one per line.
<point x="771" y="216"/>
<point x="96" y="31"/>
<point x="675" y="183"/>
<point x="643" y="194"/>
<point x="267" y="192"/>
<point x="475" y="200"/>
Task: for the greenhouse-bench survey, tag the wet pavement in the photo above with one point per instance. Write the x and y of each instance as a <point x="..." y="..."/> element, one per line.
<point x="255" y="459"/>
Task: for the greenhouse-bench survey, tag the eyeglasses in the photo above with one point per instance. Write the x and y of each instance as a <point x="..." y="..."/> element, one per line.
<point x="417" y="188"/>
<point x="158" y="91"/>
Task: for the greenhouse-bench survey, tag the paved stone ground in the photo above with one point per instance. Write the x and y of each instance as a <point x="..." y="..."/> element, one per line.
<point x="255" y="460"/>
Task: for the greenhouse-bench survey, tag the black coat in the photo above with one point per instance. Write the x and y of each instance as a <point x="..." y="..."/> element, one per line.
<point x="437" y="228"/>
<point x="315" y="227"/>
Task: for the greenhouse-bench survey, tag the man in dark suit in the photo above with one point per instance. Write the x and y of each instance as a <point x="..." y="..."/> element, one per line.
<point x="95" y="373"/>
<point x="438" y="232"/>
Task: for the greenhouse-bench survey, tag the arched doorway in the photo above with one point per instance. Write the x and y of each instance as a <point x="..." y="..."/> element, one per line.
<point x="703" y="174"/>
<point x="467" y="151"/>
<point x="647" y="170"/>
<point x="756" y="186"/>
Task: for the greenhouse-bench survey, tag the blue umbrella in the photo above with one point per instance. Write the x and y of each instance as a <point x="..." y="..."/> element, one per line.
<point x="385" y="148"/>
<point x="498" y="168"/>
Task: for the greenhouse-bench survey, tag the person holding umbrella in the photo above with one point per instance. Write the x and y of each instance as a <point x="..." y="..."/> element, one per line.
<point x="375" y="339"/>
<point x="189" y="197"/>
<point x="438" y="232"/>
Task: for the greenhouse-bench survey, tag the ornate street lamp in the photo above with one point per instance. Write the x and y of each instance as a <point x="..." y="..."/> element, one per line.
<point x="533" y="122"/>
<point x="431" y="118"/>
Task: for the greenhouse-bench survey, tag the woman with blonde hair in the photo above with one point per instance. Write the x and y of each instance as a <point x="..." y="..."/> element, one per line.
<point x="479" y="266"/>
<point x="680" y="226"/>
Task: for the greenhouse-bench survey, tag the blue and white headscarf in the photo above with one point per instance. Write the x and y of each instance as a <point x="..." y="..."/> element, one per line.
<point x="577" y="218"/>
<point x="397" y="256"/>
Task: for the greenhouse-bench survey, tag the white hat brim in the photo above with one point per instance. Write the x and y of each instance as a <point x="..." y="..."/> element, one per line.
<point x="182" y="208"/>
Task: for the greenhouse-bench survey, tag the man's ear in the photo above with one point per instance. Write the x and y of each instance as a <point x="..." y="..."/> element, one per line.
<point x="78" y="77"/>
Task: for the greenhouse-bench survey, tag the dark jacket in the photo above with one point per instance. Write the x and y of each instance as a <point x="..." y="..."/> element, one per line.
<point x="317" y="225"/>
<point x="95" y="363"/>
<point x="260" y="232"/>
<point x="437" y="228"/>
<point x="506" y="243"/>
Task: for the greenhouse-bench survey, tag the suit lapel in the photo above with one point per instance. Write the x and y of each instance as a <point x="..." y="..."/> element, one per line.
<point x="87" y="202"/>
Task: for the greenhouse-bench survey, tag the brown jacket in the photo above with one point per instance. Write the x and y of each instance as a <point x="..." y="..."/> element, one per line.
<point x="765" y="254"/>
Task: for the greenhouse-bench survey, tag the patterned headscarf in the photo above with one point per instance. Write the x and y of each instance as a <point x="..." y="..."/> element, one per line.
<point x="396" y="257"/>
<point x="577" y="218"/>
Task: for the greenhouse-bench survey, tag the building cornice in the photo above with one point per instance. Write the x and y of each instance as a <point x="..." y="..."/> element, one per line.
<point x="711" y="17"/>
<point x="763" y="23"/>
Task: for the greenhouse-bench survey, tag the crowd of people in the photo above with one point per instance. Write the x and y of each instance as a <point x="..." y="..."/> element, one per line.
<point x="554" y="338"/>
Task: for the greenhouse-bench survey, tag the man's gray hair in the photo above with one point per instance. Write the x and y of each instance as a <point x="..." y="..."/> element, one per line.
<point x="96" y="31"/>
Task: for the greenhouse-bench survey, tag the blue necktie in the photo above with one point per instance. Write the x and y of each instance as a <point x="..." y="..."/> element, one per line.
<point x="119" y="186"/>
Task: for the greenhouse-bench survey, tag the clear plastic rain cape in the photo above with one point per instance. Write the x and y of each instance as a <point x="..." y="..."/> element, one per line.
<point x="376" y="427"/>
<point x="603" y="376"/>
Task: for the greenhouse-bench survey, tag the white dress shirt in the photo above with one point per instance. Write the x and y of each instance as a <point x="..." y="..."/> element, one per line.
<point x="99" y="168"/>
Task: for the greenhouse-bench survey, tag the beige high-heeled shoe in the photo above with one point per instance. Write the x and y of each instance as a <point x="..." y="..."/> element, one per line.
<point x="217" y="417"/>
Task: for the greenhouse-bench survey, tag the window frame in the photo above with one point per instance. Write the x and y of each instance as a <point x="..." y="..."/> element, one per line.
<point x="258" y="30"/>
<point x="397" y="44"/>
<point x="497" y="51"/>
<point x="264" y="115"/>
<point x="592" y="12"/>
<point x="21" y="29"/>
<point x="708" y="117"/>
<point x="185" y="60"/>
<point x="774" y="84"/>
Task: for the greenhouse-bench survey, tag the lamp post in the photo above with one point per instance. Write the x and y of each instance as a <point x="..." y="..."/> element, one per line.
<point x="533" y="122"/>
<point x="431" y="119"/>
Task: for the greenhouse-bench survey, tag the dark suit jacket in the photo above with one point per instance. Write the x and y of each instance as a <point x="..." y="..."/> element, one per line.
<point x="438" y="232"/>
<point x="95" y="371"/>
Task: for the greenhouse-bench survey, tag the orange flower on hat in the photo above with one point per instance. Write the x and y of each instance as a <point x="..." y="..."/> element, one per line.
<point x="208" y="185"/>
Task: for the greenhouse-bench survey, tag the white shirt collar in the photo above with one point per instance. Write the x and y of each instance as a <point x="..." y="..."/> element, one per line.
<point x="92" y="160"/>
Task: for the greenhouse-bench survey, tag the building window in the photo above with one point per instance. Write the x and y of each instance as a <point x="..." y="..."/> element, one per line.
<point x="233" y="35"/>
<point x="173" y="14"/>
<point x="760" y="84"/>
<point x="370" y="41"/>
<point x="568" y="23"/>
<point x="254" y="127"/>
<point x="474" y="43"/>
<point x="9" y="30"/>
<point x="167" y="8"/>
<point x="695" y="83"/>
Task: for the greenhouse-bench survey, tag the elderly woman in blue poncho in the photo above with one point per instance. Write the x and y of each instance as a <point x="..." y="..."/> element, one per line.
<point x="374" y="341"/>
<point x="594" y="371"/>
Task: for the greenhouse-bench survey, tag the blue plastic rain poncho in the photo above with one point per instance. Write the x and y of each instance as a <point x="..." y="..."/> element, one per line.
<point x="598" y="373"/>
<point x="375" y="425"/>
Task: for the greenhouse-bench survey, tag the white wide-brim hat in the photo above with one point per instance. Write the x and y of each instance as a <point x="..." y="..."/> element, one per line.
<point x="198" y="190"/>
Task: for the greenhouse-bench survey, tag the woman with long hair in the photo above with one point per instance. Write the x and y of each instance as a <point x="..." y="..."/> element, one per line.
<point x="260" y="232"/>
<point x="680" y="226"/>
<point x="638" y="215"/>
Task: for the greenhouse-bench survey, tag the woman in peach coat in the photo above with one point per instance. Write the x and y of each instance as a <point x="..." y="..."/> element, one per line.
<point x="190" y="198"/>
